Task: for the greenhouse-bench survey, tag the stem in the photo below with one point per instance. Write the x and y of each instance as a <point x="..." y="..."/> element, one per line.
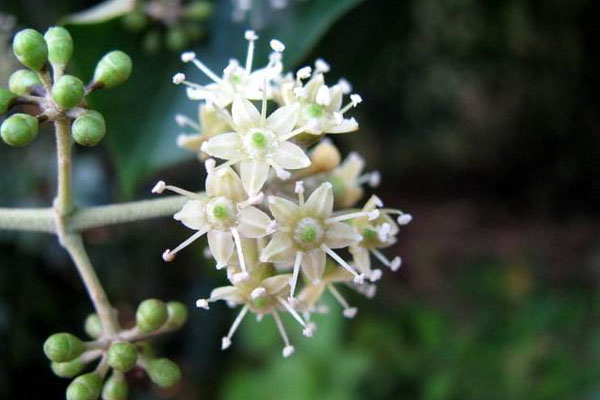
<point x="64" y="198"/>
<point x="34" y="219"/>
<point x="74" y="245"/>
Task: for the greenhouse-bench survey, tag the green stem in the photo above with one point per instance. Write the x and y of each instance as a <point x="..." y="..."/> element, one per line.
<point x="64" y="198"/>
<point x="33" y="219"/>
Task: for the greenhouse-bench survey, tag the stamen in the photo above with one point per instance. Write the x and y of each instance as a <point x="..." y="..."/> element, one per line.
<point x="375" y="275"/>
<point x="288" y="349"/>
<point x="303" y="73"/>
<point x="178" y="78"/>
<point x="226" y="342"/>
<point x="294" y="279"/>
<point x="161" y="186"/>
<point x="358" y="278"/>
<point x="238" y="245"/>
<point x="207" y="71"/>
<point x="183" y="120"/>
<point x="252" y="200"/>
<point x="404" y="219"/>
<point x="277" y="46"/>
<point x="263" y="109"/>
<point x="202" y="303"/>
<point x="373" y="179"/>
<point x="299" y="189"/>
<point x="169" y="255"/>
<point x="187" y="56"/>
<point x="393" y="265"/>
<point x="309" y="127"/>
<point x="345" y="85"/>
<point x="307" y="330"/>
<point x="250" y="37"/>
<point x="321" y="66"/>
<point x="371" y="215"/>
<point x="279" y="171"/>
<point x="355" y="99"/>
<point x="349" y="312"/>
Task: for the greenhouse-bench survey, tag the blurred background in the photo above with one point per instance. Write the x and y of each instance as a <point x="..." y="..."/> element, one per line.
<point x="483" y="118"/>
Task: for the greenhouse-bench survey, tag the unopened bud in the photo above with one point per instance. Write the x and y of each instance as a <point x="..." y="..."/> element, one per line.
<point x="135" y="21"/>
<point x="60" y="45"/>
<point x="176" y="39"/>
<point x="325" y="157"/>
<point x="89" y="129"/>
<point x="68" y="369"/>
<point x="198" y="10"/>
<point x="163" y="372"/>
<point x="177" y="314"/>
<point x="30" y="49"/>
<point x="63" y="347"/>
<point x="93" y="326"/>
<point x="113" y="69"/>
<point x="115" y="388"/>
<point x="85" y="387"/>
<point x="68" y="91"/>
<point x="6" y="99"/>
<point x="151" y="315"/>
<point x="122" y="356"/>
<point x="19" y="129"/>
<point x="21" y="81"/>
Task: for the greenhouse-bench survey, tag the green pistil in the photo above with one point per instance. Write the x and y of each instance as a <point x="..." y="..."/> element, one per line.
<point x="315" y="110"/>
<point x="260" y="302"/>
<point x="259" y="140"/>
<point x="220" y="212"/>
<point x="369" y="235"/>
<point x="308" y="234"/>
<point x="236" y="79"/>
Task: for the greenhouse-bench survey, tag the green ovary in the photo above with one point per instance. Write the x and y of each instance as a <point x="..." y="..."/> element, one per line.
<point x="259" y="140"/>
<point x="308" y="234"/>
<point x="315" y="111"/>
<point x="220" y="212"/>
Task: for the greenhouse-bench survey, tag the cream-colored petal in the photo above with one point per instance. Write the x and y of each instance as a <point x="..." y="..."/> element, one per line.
<point x="253" y="223"/>
<point x="339" y="235"/>
<point x="283" y="120"/>
<point x="280" y="249"/>
<point x="336" y="98"/>
<point x="225" y="182"/>
<point x="313" y="85"/>
<point x="309" y="296"/>
<point x="313" y="264"/>
<point x="221" y="246"/>
<point x="284" y="211"/>
<point x="347" y="125"/>
<point x="320" y="202"/>
<point x="338" y="275"/>
<point x="276" y="284"/>
<point x="230" y="293"/>
<point x="362" y="259"/>
<point x="193" y="214"/>
<point x="290" y="156"/>
<point x="254" y="175"/>
<point x="225" y="145"/>
<point x="245" y="115"/>
<point x="351" y="168"/>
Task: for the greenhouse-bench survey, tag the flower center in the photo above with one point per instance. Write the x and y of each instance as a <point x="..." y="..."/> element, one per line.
<point x="221" y="212"/>
<point x="308" y="233"/>
<point x="258" y="143"/>
<point x="259" y="140"/>
<point x="314" y="110"/>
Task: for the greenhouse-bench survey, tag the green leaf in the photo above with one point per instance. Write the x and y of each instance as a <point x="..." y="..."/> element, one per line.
<point x="102" y="12"/>
<point x="139" y="115"/>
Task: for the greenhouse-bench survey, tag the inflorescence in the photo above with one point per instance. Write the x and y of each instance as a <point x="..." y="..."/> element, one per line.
<point x="279" y="209"/>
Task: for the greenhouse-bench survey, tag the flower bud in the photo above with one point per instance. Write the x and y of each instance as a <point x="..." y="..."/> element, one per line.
<point x="198" y="10"/>
<point x="325" y="157"/>
<point x="30" y="49"/>
<point x="63" y="347"/>
<point x="176" y="39"/>
<point x="68" y="369"/>
<point x="122" y="356"/>
<point x="6" y="98"/>
<point x="85" y="387"/>
<point x="135" y="21"/>
<point x="68" y="91"/>
<point x="163" y="372"/>
<point x="115" y="388"/>
<point x="60" y="45"/>
<point x="93" y="326"/>
<point x="113" y="69"/>
<point x="19" y="129"/>
<point x="151" y="315"/>
<point x="89" y="128"/>
<point x="177" y="314"/>
<point x="21" y="81"/>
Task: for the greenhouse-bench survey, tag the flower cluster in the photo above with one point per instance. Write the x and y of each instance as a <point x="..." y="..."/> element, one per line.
<point x="279" y="210"/>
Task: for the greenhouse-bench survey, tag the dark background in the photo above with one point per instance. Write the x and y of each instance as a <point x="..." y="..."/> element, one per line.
<point x="483" y="118"/>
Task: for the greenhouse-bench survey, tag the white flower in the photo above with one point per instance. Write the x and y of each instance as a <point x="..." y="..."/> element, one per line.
<point x="210" y="125"/>
<point x="259" y="143"/>
<point x="347" y="180"/>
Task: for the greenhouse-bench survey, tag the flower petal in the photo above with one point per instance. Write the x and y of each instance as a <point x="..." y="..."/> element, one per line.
<point x="221" y="246"/>
<point x="347" y="125"/>
<point x="276" y="284"/>
<point x="245" y="115"/>
<point x="230" y="293"/>
<point x="280" y="249"/>
<point x="193" y="214"/>
<point x="284" y="211"/>
<point x="253" y="223"/>
<point x="313" y="264"/>
<point x="254" y="175"/>
<point x="290" y="156"/>
<point x="309" y="296"/>
<point x="320" y="202"/>
<point x="225" y="182"/>
<point x="362" y="259"/>
<point x="225" y="145"/>
<point x="284" y="119"/>
<point x="339" y="235"/>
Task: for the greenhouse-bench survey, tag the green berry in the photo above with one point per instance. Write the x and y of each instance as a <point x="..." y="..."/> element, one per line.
<point x="6" y="98"/>
<point x="135" y="21"/>
<point x="68" y="369"/>
<point x="163" y="372"/>
<point x="176" y="39"/>
<point x="151" y="315"/>
<point x="30" y="48"/>
<point x="21" y="81"/>
<point x="85" y="387"/>
<point x="198" y="10"/>
<point x="89" y="128"/>
<point x="68" y="91"/>
<point x="60" y="45"/>
<point x="93" y="326"/>
<point x="122" y="356"/>
<point x="19" y="129"/>
<point x="115" y="388"/>
<point x="177" y="314"/>
<point x="63" y="347"/>
<point x="113" y="69"/>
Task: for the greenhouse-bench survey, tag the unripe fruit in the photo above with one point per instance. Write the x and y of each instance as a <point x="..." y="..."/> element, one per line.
<point x="68" y="91"/>
<point x="198" y="10"/>
<point x="85" y="387"/>
<point x="19" y="129"/>
<point x="93" y="326"/>
<point x="89" y="129"/>
<point x="151" y="315"/>
<point x="113" y="69"/>
<point x="163" y="372"/>
<point x="30" y="49"/>
<point x="122" y="356"/>
<point x="68" y="369"/>
<point x="6" y="98"/>
<point x="115" y="388"/>
<point x="21" y="81"/>
<point x="63" y="347"/>
<point x="60" y="45"/>
<point x="177" y="314"/>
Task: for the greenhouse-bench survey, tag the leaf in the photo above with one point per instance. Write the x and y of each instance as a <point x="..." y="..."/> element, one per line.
<point x="141" y="131"/>
<point x="102" y="12"/>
